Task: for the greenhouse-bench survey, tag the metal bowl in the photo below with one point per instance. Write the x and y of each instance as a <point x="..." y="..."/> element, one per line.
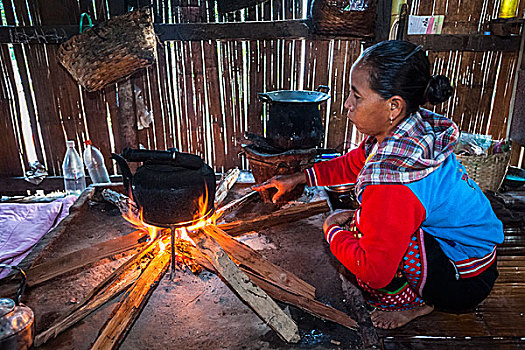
<point x="342" y="196"/>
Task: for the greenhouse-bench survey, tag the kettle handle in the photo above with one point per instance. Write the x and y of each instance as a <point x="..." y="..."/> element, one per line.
<point x="264" y="97"/>
<point x="22" y="285"/>
<point x="323" y="87"/>
<point x="127" y="177"/>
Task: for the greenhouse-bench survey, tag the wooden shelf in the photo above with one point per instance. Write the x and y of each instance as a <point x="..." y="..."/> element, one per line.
<point x="288" y="29"/>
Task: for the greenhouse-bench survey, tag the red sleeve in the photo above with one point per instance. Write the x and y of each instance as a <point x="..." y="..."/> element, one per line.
<point x="389" y="216"/>
<point x="340" y="170"/>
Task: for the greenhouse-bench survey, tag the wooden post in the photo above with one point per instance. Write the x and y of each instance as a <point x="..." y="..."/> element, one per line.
<point x="127" y="117"/>
<point x="516" y="123"/>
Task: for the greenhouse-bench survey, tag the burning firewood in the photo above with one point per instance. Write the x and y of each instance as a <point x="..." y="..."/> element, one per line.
<point x="278" y="217"/>
<point x="127" y="207"/>
<point x="253" y="261"/>
<point x="128" y="309"/>
<point x="225" y="185"/>
<point x="258" y="300"/>
<point x="109" y="288"/>
<point x="51" y="269"/>
<point x="233" y="205"/>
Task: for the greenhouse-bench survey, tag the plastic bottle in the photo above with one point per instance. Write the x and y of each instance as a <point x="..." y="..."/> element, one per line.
<point x="73" y="170"/>
<point x="94" y="162"/>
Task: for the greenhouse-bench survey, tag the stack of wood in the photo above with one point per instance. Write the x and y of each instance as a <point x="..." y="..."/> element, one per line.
<point x="254" y="279"/>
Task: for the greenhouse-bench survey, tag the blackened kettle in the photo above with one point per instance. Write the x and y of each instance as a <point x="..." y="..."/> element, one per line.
<point x="171" y="188"/>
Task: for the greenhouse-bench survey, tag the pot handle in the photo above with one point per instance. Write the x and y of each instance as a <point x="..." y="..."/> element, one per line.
<point x="323" y="87"/>
<point x="264" y="97"/>
<point x="22" y="285"/>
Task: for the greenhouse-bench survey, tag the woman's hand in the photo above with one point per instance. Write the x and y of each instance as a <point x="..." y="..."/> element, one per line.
<point x="339" y="217"/>
<point x="283" y="184"/>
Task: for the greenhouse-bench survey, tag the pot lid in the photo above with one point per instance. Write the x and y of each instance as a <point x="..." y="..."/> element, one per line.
<point x="294" y="96"/>
<point x="6" y="306"/>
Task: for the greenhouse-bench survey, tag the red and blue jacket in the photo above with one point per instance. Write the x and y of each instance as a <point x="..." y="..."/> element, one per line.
<point x="446" y="204"/>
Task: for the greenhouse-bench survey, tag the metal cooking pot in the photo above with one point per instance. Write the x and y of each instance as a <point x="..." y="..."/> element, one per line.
<point x="16" y="320"/>
<point x="294" y="120"/>
<point x="169" y="186"/>
<point x="342" y="196"/>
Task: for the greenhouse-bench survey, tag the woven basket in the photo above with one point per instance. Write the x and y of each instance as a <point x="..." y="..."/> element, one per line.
<point x="487" y="171"/>
<point x="329" y="17"/>
<point x="110" y="51"/>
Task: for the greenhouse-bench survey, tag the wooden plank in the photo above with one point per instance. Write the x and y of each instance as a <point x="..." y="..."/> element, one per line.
<point x="120" y="280"/>
<point x="11" y="142"/>
<point x="121" y="319"/>
<point x="252" y="260"/>
<point x="67" y="263"/>
<point x="471" y="42"/>
<point x="276" y="291"/>
<point x="382" y="27"/>
<point x="309" y="305"/>
<point x="255" y="297"/>
<point x="225" y="185"/>
<point x="214" y="103"/>
<point x="287" y="215"/>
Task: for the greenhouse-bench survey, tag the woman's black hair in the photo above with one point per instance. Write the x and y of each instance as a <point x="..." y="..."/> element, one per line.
<point x="402" y="68"/>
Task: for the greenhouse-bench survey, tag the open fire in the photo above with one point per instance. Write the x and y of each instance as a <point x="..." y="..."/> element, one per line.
<point x="175" y="238"/>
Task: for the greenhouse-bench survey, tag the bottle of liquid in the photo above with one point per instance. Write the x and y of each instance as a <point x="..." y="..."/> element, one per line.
<point x="73" y="170"/>
<point x="94" y="162"/>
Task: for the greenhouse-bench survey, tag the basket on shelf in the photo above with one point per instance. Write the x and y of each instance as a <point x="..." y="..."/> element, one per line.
<point x="111" y="50"/>
<point x="343" y="17"/>
<point x="487" y="170"/>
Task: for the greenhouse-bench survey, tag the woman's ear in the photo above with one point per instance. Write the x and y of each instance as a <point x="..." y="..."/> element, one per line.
<point x="397" y="107"/>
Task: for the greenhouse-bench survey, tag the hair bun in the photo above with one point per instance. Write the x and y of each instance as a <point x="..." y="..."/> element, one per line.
<point x="438" y="89"/>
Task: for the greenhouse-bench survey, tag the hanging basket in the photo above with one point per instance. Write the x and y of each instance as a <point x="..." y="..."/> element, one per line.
<point x="488" y="171"/>
<point x="344" y="17"/>
<point x="110" y="51"/>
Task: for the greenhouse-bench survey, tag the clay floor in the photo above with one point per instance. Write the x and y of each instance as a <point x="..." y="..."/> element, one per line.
<point x="201" y="312"/>
<point x="196" y="312"/>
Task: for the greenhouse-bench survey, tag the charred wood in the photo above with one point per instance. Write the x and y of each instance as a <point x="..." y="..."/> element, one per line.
<point x="282" y="216"/>
<point x="129" y="308"/>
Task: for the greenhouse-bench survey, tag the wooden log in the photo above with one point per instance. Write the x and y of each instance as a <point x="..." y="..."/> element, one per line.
<point x="110" y="287"/>
<point x="128" y="309"/>
<point x="233" y="205"/>
<point x="225" y="185"/>
<point x="305" y="303"/>
<point x="127" y="207"/>
<point x="255" y="297"/>
<point x="127" y="117"/>
<point x="54" y="268"/>
<point x="85" y="310"/>
<point x="287" y="215"/>
<point x="252" y="260"/>
<point x="279" y="292"/>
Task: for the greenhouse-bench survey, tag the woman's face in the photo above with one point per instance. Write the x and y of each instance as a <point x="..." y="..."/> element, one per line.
<point x="368" y="111"/>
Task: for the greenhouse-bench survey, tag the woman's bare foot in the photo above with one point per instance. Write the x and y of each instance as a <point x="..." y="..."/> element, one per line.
<point x="396" y="319"/>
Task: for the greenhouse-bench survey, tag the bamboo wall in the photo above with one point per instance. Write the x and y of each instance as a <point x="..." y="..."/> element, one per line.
<point x="203" y="95"/>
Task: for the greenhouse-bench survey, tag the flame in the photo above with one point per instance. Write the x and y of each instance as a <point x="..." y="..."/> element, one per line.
<point x="164" y="242"/>
<point x="134" y="217"/>
<point x="201" y="218"/>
